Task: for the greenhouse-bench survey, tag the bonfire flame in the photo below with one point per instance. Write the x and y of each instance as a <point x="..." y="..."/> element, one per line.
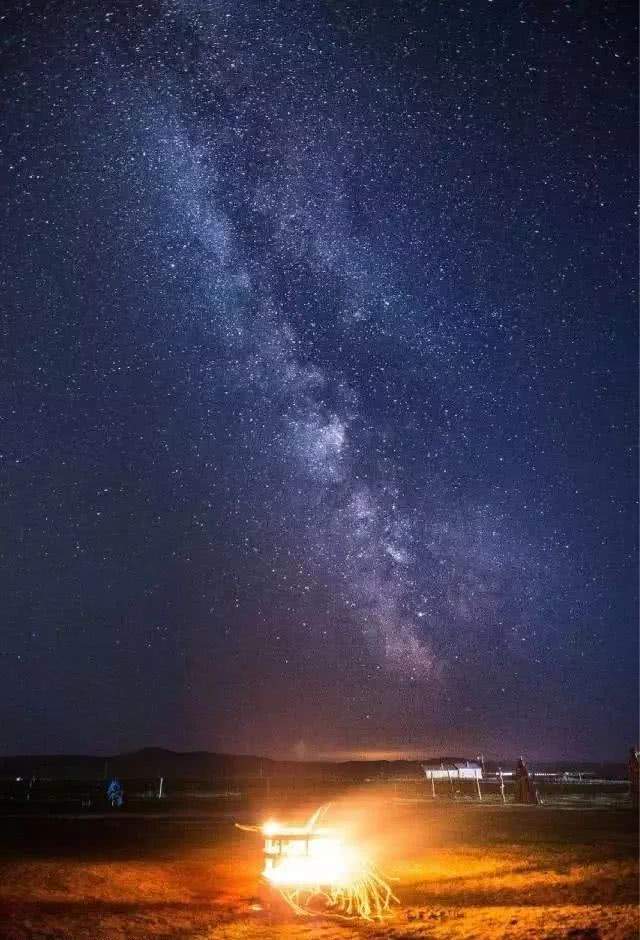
<point x="312" y="868"/>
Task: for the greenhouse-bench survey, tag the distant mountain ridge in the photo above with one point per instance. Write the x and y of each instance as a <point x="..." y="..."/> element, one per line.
<point x="152" y="762"/>
<point x="194" y="765"/>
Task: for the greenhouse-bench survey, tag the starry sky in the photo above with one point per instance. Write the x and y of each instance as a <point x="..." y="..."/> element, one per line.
<point x="318" y="383"/>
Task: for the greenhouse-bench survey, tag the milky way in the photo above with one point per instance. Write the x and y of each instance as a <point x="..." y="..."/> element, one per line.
<point x="320" y="401"/>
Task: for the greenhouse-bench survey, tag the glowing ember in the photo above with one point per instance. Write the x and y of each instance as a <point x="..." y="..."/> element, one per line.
<point x="313" y="869"/>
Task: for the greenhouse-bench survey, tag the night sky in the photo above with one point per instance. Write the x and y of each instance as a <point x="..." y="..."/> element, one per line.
<point x="318" y="382"/>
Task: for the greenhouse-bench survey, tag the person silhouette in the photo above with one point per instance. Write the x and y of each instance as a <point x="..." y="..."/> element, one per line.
<point x="634" y="776"/>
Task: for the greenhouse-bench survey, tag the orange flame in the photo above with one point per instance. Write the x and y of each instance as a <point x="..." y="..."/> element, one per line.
<point x="312" y="867"/>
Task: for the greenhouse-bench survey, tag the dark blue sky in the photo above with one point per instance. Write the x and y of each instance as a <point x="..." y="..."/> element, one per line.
<point x="319" y="377"/>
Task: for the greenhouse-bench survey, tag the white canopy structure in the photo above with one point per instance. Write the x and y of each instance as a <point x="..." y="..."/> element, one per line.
<point x="452" y="769"/>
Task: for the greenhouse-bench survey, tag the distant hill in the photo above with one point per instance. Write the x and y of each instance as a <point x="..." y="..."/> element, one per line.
<point x="204" y="765"/>
<point x="193" y="765"/>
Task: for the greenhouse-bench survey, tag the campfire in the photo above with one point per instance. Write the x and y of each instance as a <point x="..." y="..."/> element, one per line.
<point x="315" y="871"/>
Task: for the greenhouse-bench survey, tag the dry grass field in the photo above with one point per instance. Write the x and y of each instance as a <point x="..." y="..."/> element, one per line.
<point x="460" y="871"/>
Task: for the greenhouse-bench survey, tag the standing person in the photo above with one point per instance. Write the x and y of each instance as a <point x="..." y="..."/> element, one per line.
<point x="634" y="776"/>
<point x="526" y="790"/>
<point x="522" y="782"/>
<point x="115" y="794"/>
<point x="532" y="791"/>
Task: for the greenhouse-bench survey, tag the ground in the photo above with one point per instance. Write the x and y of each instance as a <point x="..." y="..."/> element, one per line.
<point x="459" y="870"/>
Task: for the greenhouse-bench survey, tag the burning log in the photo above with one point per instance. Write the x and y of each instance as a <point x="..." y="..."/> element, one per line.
<point x="314" y="871"/>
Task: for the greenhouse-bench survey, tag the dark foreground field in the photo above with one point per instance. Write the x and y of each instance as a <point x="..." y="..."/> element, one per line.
<point x="460" y="871"/>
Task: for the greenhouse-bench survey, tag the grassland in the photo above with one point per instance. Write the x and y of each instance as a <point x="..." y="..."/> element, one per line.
<point x="461" y="870"/>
